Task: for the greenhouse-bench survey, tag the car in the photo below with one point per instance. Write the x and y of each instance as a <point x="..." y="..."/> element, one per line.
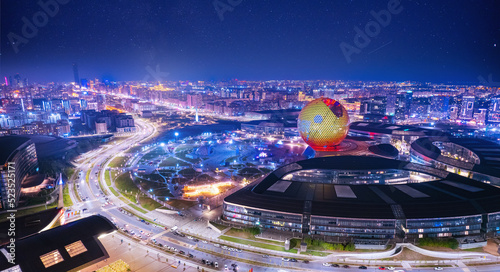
<point x="239" y="250"/>
<point x="345" y="266"/>
<point x="285" y="259"/>
<point x="293" y="260"/>
<point x="225" y="267"/>
<point x="203" y="261"/>
<point x="381" y="268"/>
<point x="390" y="268"/>
<point x="196" y="240"/>
<point x="160" y="245"/>
<point x="327" y="264"/>
<point x="438" y="268"/>
<point x="363" y="267"/>
<point x="138" y="236"/>
<point x="265" y="256"/>
<point x="190" y="237"/>
<point x="216" y="245"/>
<point x="190" y="255"/>
<point x="182" y="252"/>
<point x="205" y="242"/>
<point x="154" y="241"/>
<point x="216" y="265"/>
<point x="306" y="261"/>
<point x="335" y="265"/>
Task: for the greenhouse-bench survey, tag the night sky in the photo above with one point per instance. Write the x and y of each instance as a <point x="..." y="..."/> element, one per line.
<point x="428" y="41"/>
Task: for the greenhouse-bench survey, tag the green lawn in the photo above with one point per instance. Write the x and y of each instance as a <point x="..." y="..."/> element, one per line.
<point x="181" y="204"/>
<point x="106" y="178"/>
<point x="135" y="149"/>
<point x="218" y="226"/>
<point x="113" y="191"/>
<point x="29" y="211"/>
<point x="126" y="186"/>
<point x="118" y="162"/>
<point x="87" y="177"/>
<point x="148" y="203"/>
<point x="66" y="198"/>
<point x="137" y="208"/>
<point x="231" y="159"/>
<point x="170" y="161"/>
<point x="256" y="244"/>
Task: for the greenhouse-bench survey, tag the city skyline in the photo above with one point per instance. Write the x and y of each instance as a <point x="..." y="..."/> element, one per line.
<point x="180" y="40"/>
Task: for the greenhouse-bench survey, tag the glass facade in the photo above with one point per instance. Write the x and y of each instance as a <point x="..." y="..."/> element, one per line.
<point x="262" y="218"/>
<point x="362" y="228"/>
<point x="442" y="227"/>
<point x="327" y="176"/>
<point x="24" y="162"/>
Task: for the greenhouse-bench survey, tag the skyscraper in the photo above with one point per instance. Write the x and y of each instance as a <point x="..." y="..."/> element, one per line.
<point x="75" y="74"/>
<point x="467" y="110"/>
<point x="494" y="110"/>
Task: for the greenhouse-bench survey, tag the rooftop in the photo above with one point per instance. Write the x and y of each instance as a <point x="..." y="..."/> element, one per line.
<point x="9" y="144"/>
<point x="449" y="195"/>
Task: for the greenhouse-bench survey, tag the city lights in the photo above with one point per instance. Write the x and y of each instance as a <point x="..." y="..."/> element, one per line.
<point x="207" y="190"/>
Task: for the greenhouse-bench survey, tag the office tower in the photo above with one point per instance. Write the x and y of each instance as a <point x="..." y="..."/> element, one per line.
<point x="75" y="74"/>
<point x="467" y="110"/>
<point x="494" y="110"/>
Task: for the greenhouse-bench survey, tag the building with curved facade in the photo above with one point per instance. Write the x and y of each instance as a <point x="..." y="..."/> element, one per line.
<point x="18" y="160"/>
<point x="367" y="197"/>
<point x="474" y="158"/>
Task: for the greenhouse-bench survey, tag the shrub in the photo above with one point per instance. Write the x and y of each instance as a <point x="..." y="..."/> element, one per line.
<point x="437" y="242"/>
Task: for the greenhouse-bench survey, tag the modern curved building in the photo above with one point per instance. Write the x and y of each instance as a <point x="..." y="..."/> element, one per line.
<point x="18" y="160"/>
<point x="475" y="158"/>
<point x="367" y="197"/>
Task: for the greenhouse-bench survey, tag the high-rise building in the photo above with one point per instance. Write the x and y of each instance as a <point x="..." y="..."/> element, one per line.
<point x="404" y="105"/>
<point x="390" y="108"/>
<point x="75" y="74"/>
<point x="440" y="106"/>
<point x="494" y="110"/>
<point x="467" y="110"/>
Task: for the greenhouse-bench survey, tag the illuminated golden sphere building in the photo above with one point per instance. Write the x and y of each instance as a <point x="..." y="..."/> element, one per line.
<point x="323" y="124"/>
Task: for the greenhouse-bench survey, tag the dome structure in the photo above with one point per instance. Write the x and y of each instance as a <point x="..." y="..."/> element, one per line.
<point x="323" y="124"/>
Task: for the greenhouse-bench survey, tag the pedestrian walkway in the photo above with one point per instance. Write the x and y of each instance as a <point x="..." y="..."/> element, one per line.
<point x="463" y="266"/>
<point x="140" y="258"/>
<point x="406" y="265"/>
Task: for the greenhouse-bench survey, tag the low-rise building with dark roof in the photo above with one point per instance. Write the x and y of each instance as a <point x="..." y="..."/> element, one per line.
<point x="69" y="247"/>
<point x="475" y="158"/>
<point x="18" y="160"/>
<point x="367" y="197"/>
<point x="400" y="136"/>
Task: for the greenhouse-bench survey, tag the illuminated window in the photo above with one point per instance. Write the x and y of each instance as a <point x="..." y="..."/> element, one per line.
<point x="51" y="258"/>
<point x="75" y="248"/>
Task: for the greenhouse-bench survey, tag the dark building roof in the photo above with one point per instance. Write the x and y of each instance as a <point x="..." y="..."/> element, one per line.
<point x="9" y="144"/>
<point x="487" y="151"/>
<point x="449" y="196"/>
<point x="29" y="224"/>
<point x="30" y="249"/>
<point x="401" y="130"/>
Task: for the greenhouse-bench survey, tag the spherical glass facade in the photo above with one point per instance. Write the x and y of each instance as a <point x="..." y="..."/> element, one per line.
<point x="323" y="124"/>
